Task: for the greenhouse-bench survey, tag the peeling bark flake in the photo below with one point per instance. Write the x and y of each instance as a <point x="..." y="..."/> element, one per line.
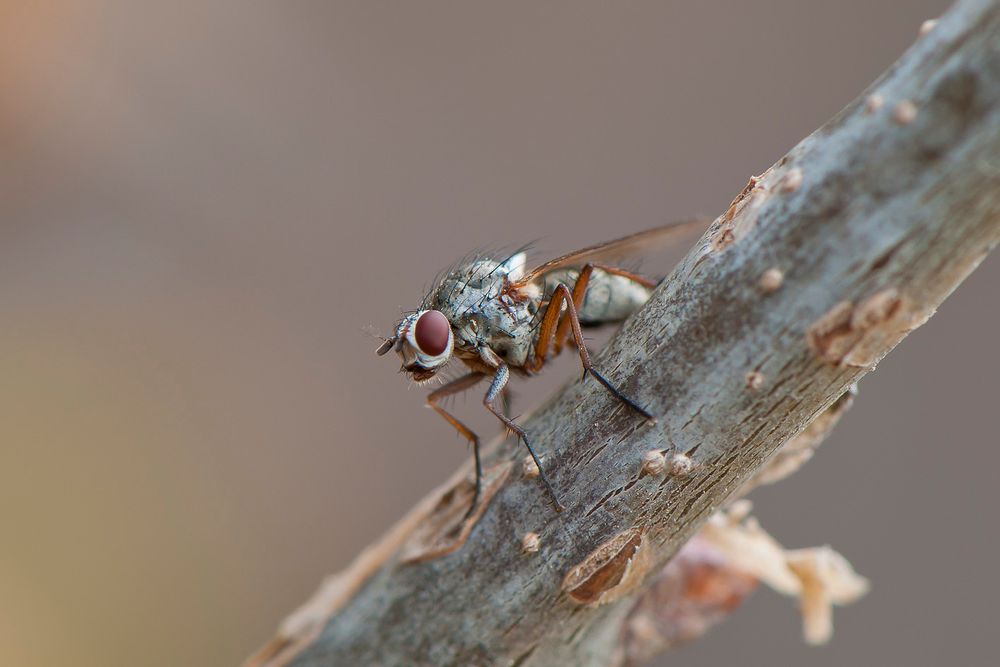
<point x="610" y="571"/>
<point x="446" y="528"/>
<point x="858" y="336"/>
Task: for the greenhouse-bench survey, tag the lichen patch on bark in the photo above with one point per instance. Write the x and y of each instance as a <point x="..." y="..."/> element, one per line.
<point x="859" y="335"/>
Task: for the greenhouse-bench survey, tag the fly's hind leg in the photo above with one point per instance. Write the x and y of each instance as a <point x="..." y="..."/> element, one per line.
<point x="580" y="292"/>
<point x="560" y="296"/>
<point x="496" y="387"/>
<point x="449" y="389"/>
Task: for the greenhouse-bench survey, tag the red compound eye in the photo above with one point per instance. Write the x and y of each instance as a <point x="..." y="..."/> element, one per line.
<point x="432" y="332"/>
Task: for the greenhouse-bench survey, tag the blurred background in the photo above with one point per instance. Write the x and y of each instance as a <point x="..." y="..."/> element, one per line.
<point x="205" y="206"/>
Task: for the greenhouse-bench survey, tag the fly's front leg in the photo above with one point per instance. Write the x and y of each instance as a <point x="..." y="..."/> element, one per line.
<point x="496" y="387"/>
<point x="561" y="295"/>
<point x="505" y="402"/>
<point x="454" y="387"/>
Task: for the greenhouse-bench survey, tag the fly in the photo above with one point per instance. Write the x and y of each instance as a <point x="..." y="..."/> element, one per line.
<point x="499" y="318"/>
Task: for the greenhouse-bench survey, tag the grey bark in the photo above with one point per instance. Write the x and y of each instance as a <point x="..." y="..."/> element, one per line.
<point x="872" y="221"/>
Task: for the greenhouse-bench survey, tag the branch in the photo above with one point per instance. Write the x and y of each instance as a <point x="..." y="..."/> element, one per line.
<point x="817" y="269"/>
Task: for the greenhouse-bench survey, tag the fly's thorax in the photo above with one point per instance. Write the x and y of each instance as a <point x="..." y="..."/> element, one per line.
<point x="502" y="324"/>
<point x="466" y="288"/>
<point x="486" y="310"/>
<point x="513" y="342"/>
<point x="609" y="298"/>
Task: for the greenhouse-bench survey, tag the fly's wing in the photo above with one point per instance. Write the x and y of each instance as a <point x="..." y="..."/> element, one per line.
<point x="649" y="241"/>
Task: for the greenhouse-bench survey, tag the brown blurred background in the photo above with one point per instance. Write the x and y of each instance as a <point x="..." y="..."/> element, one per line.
<point x="204" y="205"/>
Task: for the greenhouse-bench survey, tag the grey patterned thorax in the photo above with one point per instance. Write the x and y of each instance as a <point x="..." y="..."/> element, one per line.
<point x="485" y="311"/>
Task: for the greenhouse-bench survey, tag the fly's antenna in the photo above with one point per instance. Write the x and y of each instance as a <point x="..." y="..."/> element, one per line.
<point x="387" y="343"/>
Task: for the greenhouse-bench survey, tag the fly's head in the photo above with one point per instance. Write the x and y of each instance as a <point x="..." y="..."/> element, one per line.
<point x="424" y="340"/>
<point x="427" y="339"/>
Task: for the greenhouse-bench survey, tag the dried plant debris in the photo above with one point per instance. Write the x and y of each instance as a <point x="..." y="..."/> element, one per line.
<point x="697" y="589"/>
<point x="716" y="570"/>
<point x="827" y="579"/>
<point x="819" y="577"/>
<point x="447" y="527"/>
<point x="741" y="216"/>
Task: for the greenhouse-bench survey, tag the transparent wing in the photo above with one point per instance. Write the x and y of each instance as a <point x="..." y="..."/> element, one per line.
<point x="649" y="241"/>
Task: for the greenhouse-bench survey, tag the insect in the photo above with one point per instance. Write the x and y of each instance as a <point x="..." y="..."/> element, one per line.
<point x="499" y="318"/>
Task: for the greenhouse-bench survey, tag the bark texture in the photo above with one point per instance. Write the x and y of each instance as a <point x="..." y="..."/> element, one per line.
<point x="817" y="269"/>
